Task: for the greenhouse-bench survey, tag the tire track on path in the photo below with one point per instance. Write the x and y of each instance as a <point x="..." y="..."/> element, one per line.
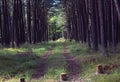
<point x="43" y="65"/>
<point x="72" y="66"/>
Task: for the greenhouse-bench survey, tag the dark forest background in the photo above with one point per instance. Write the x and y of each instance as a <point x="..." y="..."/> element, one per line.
<point x="95" y="22"/>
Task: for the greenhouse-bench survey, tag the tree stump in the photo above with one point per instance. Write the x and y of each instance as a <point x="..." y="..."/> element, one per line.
<point x="22" y="80"/>
<point x="99" y="69"/>
<point x="63" y="77"/>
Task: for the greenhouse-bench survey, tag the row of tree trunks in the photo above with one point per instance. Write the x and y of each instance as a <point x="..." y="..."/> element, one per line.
<point x="96" y="22"/>
<point x="23" y="21"/>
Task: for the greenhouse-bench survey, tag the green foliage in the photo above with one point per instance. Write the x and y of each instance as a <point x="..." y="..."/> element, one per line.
<point x="53" y="19"/>
<point x="56" y="21"/>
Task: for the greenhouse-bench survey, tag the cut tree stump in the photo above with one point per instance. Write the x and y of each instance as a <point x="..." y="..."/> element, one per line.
<point x="22" y="80"/>
<point x="99" y="69"/>
<point x="63" y="77"/>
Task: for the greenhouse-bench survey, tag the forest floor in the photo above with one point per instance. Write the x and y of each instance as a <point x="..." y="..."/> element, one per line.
<point x="45" y="62"/>
<point x="72" y="65"/>
<point x="43" y="65"/>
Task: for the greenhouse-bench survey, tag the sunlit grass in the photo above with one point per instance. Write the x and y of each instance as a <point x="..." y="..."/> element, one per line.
<point x="61" y="40"/>
<point x="39" y="51"/>
<point x="12" y="51"/>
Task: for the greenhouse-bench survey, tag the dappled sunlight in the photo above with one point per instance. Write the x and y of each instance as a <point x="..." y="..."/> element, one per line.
<point x="11" y="51"/>
<point x="13" y="80"/>
<point x="60" y="40"/>
<point x="15" y="49"/>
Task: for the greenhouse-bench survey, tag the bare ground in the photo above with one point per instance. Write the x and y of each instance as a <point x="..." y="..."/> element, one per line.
<point x="43" y="65"/>
<point x="73" y="67"/>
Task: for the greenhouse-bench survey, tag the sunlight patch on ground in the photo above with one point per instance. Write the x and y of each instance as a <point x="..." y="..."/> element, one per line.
<point x="61" y="40"/>
<point x="10" y="51"/>
<point x="13" y="80"/>
<point x="1" y="79"/>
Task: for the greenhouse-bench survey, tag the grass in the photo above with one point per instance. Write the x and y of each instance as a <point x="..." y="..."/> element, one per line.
<point x="15" y="63"/>
<point x="16" y="66"/>
<point x="77" y="48"/>
<point x="13" y="66"/>
<point x="56" y="64"/>
<point x="13" y="51"/>
<point x="114" y="74"/>
<point x="88" y="60"/>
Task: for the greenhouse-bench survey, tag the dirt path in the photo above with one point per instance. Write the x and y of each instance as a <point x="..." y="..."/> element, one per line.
<point x="72" y="66"/>
<point x="43" y="65"/>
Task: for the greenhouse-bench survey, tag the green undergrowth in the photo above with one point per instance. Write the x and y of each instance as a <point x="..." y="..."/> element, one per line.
<point x="21" y="62"/>
<point x="77" y="48"/>
<point x="17" y="66"/>
<point x="14" y="66"/>
<point x="11" y="51"/>
<point x="113" y="75"/>
<point x="89" y="59"/>
<point x="39" y="48"/>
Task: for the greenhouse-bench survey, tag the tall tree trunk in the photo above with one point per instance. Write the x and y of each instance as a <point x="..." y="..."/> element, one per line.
<point x="102" y="28"/>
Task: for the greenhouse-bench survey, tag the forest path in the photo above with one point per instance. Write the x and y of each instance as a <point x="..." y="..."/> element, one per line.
<point x="43" y="65"/>
<point x="73" y="67"/>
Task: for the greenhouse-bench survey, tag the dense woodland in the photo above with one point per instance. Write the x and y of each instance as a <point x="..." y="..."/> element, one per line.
<point x="95" y="22"/>
<point x="23" y="21"/>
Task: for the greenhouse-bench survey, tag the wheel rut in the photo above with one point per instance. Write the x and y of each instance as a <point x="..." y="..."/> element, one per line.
<point x="43" y="65"/>
<point x="73" y="66"/>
